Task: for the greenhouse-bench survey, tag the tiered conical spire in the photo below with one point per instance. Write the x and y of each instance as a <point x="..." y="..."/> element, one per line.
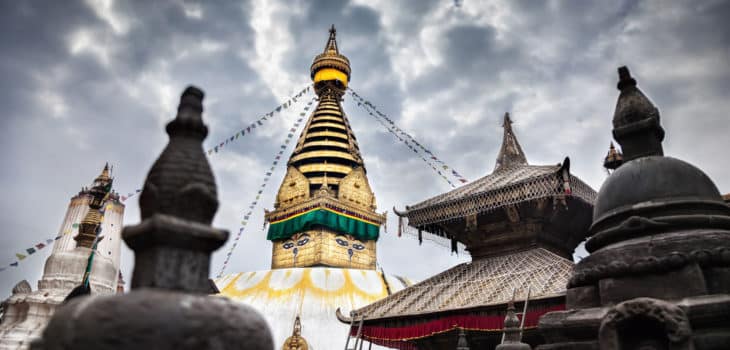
<point x="327" y="148"/>
<point x="90" y="224"/>
<point x="511" y="153"/>
<point x="325" y="208"/>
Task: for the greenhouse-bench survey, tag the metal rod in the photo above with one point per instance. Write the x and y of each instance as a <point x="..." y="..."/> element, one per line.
<point x="370" y="347"/>
<point x="524" y="313"/>
<point x="359" y="331"/>
<point x="514" y="291"/>
<point x="361" y="343"/>
<point x="349" y="332"/>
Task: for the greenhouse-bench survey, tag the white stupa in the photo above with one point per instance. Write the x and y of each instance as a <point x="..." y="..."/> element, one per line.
<point x="26" y="311"/>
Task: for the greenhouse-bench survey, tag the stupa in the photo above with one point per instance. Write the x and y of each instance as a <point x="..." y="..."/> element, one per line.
<point x="323" y="229"/>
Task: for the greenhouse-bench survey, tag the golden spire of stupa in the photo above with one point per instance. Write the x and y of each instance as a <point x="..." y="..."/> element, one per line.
<point x="326" y="180"/>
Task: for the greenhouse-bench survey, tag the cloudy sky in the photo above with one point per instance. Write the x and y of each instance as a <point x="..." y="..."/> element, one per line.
<point x="85" y="82"/>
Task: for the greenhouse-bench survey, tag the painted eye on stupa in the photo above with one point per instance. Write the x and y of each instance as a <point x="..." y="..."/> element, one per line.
<point x="288" y="245"/>
<point x="303" y="241"/>
<point x="358" y="246"/>
<point x="341" y="242"/>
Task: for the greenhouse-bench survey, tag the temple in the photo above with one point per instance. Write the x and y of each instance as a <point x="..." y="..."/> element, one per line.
<point x="521" y="224"/>
<point x="92" y="212"/>
<point x="324" y="227"/>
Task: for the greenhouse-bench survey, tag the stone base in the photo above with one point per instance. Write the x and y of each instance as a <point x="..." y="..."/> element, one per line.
<point x="700" y="323"/>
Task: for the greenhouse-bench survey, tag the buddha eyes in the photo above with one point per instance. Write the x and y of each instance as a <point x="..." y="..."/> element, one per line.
<point x="288" y="245"/>
<point x="344" y="243"/>
<point x="303" y="241"/>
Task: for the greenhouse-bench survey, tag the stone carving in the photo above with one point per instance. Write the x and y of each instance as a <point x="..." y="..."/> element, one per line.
<point x="618" y="322"/>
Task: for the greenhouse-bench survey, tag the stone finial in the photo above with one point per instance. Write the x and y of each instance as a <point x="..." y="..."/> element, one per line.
<point x="636" y="120"/>
<point x="462" y="344"/>
<point x="173" y="242"/>
<point x="172" y="247"/>
<point x="512" y="334"/>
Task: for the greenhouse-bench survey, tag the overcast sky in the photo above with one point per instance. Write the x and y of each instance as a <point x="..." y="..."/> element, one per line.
<point x="85" y="82"/>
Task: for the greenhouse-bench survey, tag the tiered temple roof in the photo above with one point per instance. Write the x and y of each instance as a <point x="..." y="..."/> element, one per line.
<point x="520" y="223"/>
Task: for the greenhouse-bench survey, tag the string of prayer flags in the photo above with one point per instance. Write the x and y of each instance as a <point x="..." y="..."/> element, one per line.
<point x="267" y="177"/>
<point x="408" y="140"/>
<point x="258" y="122"/>
<point x="29" y="251"/>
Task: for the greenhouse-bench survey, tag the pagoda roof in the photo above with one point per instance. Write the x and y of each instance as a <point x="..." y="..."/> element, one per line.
<point x="485" y="282"/>
<point x="512" y="181"/>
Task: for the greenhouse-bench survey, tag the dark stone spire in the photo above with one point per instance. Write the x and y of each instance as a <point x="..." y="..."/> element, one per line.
<point x="511" y="153"/>
<point x="462" y="344"/>
<point x="177" y="204"/>
<point x="168" y="308"/>
<point x="636" y="121"/>
<point x="658" y="276"/>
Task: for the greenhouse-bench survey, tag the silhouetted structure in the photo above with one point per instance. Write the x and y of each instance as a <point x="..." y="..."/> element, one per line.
<point x="168" y="307"/>
<point x="658" y="276"/>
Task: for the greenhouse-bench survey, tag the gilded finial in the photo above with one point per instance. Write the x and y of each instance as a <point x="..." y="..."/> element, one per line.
<point x="510" y="154"/>
<point x="613" y="159"/>
<point x="296" y="341"/>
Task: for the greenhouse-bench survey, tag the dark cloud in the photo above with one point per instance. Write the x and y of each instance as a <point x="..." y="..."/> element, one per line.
<point x="82" y="86"/>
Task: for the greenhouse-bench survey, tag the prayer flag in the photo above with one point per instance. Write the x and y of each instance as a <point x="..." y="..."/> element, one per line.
<point x="30" y="251"/>
<point x="58" y="237"/>
<point x="20" y="256"/>
<point x="40" y="246"/>
<point x="278" y="108"/>
<point x="248" y="129"/>
<point x="463" y="180"/>
<point x="49" y="241"/>
<point x="258" y="121"/>
<point x="14" y="264"/>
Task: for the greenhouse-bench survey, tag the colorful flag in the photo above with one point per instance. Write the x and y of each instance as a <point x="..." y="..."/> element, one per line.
<point x="49" y="241"/>
<point x="40" y="246"/>
<point x="20" y="256"/>
<point x="14" y="264"/>
<point x="30" y="251"/>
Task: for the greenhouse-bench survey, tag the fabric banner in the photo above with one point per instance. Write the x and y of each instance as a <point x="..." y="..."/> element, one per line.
<point x="495" y="323"/>
<point x="340" y="222"/>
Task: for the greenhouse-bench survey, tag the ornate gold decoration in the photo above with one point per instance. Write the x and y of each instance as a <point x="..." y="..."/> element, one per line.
<point x="294" y="189"/>
<point x="355" y="190"/>
<point x="329" y="161"/>
<point x="323" y="247"/>
<point x="91" y="222"/>
<point x="331" y="58"/>
<point x="323" y="154"/>
<point x="334" y="168"/>
<point x="296" y="341"/>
